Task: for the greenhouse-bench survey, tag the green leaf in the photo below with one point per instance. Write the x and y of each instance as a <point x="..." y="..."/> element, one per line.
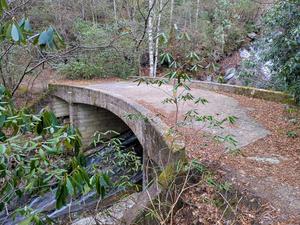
<point x="84" y="175"/>
<point x="2" y="136"/>
<point x="1" y="206"/>
<point x="4" y="4"/>
<point x="50" y="33"/>
<point x="15" y="33"/>
<point x="2" y="120"/>
<point x="70" y="187"/>
<point x="46" y="38"/>
<point x="106" y="178"/>
<point x="39" y="128"/>
<point x="8" y="31"/>
<point x="22" y="22"/>
<point x="43" y="38"/>
<point x="27" y="26"/>
<point x="42" y="154"/>
<point x="98" y="184"/>
<point x="58" y="40"/>
<point x="2" y="149"/>
<point x="26" y="221"/>
<point x="49" y="119"/>
<point x="61" y="194"/>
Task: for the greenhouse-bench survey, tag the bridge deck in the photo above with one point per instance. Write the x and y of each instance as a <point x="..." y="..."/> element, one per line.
<point x="261" y="166"/>
<point x="246" y="130"/>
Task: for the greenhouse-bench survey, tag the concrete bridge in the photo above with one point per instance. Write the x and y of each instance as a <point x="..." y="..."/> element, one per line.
<point x="104" y="107"/>
<point x="123" y="105"/>
<point x="116" y="106"/>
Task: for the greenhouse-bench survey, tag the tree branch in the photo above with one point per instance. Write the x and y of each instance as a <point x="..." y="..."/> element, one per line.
<point x="145" y="25"/>
<point x="6" y="51"/>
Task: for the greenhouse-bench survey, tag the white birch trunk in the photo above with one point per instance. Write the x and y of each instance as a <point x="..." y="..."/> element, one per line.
<point x="150" y="39"/>
<point x="197" y="12"/>
<point x="115" y="11"/>
<point x="171" y="13"/>
<point x="157" y="38"/>
<point x="82" y="11"/>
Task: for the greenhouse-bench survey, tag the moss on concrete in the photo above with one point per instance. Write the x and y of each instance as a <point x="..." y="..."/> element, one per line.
<point x="269" y="95"/>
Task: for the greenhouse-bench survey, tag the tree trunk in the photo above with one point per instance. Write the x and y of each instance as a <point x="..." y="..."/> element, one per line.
<point x="171" y="13"/>
<point x="157" y="38"/>
<point x="115" y="11"/>
<point x="150" y="39"/>
<point x="197" y="12"/>
<point x="83" y="11"/>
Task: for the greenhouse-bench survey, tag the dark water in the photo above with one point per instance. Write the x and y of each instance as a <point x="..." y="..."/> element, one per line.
<point x="103" y="158"/>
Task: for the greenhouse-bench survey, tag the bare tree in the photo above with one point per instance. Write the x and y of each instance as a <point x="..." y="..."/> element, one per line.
<point x="157" y="36"/>
<point x="151" y="39"/>
<point x="115" y="11"/>
<point x="171" y="13"/>
<point x="197" y="12"/>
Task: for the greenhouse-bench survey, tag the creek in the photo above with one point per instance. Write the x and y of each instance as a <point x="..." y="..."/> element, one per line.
<point x="101" y="155"/>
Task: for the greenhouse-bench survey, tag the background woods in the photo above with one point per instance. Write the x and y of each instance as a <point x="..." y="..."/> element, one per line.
<point x="134" y="37"/>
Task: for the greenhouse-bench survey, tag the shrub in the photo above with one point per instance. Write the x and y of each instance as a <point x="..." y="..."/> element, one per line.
<point x="98" y="58"/>
<point x="283" y="22"/>
<point x="80" y="70"/>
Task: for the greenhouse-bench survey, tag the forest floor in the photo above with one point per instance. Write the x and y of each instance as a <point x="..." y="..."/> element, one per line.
<point x="268" y="168"/>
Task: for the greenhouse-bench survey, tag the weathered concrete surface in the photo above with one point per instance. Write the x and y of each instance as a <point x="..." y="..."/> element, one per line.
<point x="112" y="215"/>
<point x="126" y="211"/>
<point x="90" y="119"/>
<point x="60" y="107"/>
<point x="246" y="130"/>
<point x="269" y="95"/>
<point x="125" y="98"/>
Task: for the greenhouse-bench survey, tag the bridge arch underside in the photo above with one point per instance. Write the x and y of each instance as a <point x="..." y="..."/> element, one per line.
<point x="93" y="111"/>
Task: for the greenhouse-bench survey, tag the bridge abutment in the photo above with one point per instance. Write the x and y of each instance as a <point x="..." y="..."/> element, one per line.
<point x="87" y="118"/>
<point x="60" y="107"/>
<point x="90" y="119"/>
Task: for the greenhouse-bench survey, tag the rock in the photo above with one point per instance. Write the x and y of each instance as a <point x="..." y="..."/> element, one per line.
<point x="111" y="215"/>
<point x="209" y="78"/>
<point x="245" y="54"/>
<point x="266" y="71"/>
<point x="231" y="77"/>
<point x="270" y="160"/>
<point x="252" y="35"/>
<point x="229" y="74"/>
